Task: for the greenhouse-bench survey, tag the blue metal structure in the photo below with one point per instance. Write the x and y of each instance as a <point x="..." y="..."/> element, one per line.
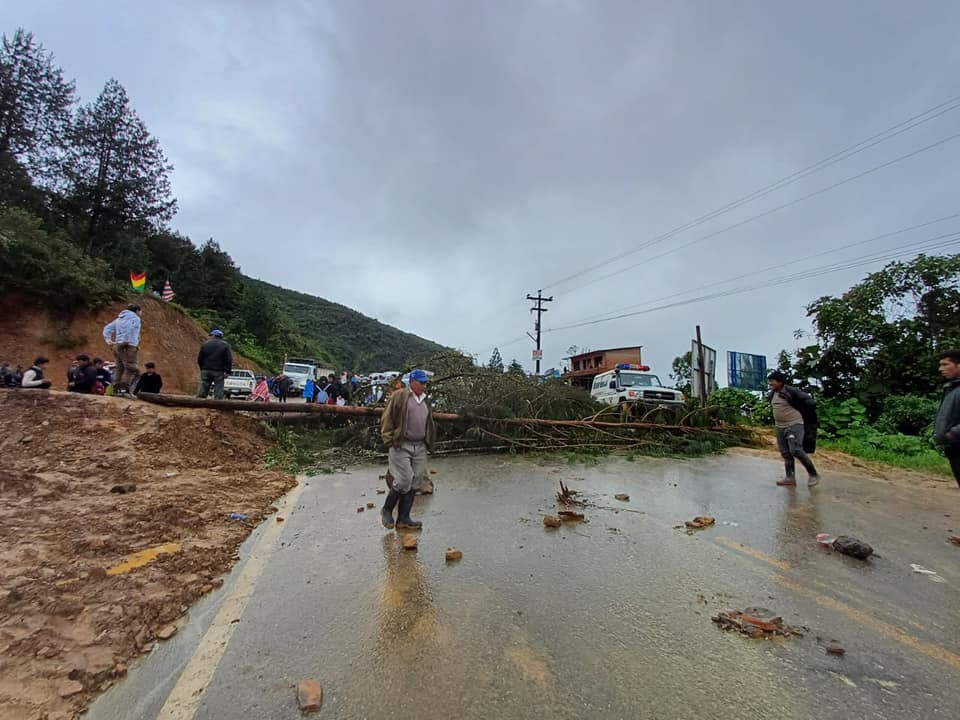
<point x="746" y="371"/>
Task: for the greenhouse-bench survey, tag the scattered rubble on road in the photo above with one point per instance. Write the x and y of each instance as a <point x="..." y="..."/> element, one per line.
<point x="852" y="547"/>
<point x="552" y="521"/>
<point x="62" y="617"/>
<point x="571" y="516"/>
<point x="700" y="522"/>
<point x="370" y="506"/>
<point x="832" y="647"/>
<point x="755" y="622"/>
<point x="309" y="695"/>
<point x="166" y="632"/>
<point x="454" y="554"/>
<point x="623" y="497"/>
<point x="955" y="539"/>
<point x="410" y="542"/>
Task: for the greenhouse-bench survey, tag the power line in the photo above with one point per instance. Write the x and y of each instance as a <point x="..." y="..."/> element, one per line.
<point x="539" y="309"/>
<point x="814" y="272"/>
<point x="841" y="248"/>
<point x="771" y="211"/>
<point x="847" y="152"/>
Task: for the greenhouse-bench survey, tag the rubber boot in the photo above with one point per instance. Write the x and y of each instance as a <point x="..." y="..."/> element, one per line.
<point x="404" y="522"/>
<point x="789" y="474"/>
<point x="386" y="514"/>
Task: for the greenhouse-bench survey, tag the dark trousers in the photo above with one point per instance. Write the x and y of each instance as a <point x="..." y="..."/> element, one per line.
<point x="790" y="443"/>
<point x="953" y="455"/>
<point x="212" y="378"/>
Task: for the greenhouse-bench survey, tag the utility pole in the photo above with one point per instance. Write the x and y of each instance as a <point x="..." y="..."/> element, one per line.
<point x="539" y="309"/>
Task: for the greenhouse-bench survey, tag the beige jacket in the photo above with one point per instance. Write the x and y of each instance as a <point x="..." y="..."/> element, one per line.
<point x="394" y="417"/>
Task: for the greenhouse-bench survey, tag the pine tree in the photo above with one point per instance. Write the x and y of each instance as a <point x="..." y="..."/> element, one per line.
<point x="515" y="368"/>
<point x="35" y="103"/>
<point x="115" y="172"/>
<point x="496" y="362"/>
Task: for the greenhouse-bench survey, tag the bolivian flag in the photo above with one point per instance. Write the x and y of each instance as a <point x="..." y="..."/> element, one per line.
<point x="138" y="280"/>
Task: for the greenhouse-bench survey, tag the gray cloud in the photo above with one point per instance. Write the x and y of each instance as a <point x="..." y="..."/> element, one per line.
<point x="483" y="150"/>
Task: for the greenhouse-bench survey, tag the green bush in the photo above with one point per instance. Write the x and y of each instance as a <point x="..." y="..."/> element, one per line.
<point x="729" y="400"/>
<point x="46" y="264"/>
<point x="907" y="414"/>
<point x="842" y="418"/>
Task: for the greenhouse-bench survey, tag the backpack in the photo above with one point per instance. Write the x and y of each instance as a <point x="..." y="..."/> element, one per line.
<point x="806" y="405"/>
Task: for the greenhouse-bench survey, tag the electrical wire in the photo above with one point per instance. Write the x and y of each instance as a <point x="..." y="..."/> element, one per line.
<point x="794" y="261"/>
<point x="836" y="157"/>
<point x="765" y="213"/>
<point x="908" y="249"/>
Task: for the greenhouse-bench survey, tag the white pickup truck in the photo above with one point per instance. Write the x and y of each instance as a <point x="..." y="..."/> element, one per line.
<point x="239" y="382"/>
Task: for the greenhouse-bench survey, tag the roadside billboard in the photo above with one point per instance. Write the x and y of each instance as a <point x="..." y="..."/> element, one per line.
<point x="746" y="371"/>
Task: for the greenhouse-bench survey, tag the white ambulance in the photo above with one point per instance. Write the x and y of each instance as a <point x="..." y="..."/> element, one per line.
<point x="628" y="383"/>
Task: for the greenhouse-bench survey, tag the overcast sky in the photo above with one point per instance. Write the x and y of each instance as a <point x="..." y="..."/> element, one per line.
<point x="429" y="163"/>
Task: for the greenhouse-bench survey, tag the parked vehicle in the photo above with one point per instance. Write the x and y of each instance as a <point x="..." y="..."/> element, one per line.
<point x="629" y="383"/>
<point x="239" y="382"/>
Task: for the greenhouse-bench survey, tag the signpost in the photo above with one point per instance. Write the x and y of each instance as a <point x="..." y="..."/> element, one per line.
<point x="703" y="360"/>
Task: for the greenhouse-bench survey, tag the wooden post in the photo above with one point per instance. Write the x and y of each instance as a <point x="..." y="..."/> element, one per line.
<point x="702" y="371"/>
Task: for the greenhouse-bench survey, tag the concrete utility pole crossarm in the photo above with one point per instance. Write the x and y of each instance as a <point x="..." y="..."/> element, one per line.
<point x="539" y="309"/>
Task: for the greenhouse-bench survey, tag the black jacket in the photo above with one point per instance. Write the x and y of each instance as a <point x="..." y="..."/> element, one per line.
<point x="83" y="378"/>
<point x="148" y="383"/>
<point x="806" y="405"/>
<point x="948" y="416"/>
<point x="215" y="355"/>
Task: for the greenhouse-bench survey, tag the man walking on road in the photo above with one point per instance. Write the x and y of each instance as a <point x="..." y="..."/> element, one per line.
<point x="946" y="430"/>
<point x="793" y="412"/>
<point x="123" y="335"/>
<point x="407" y="428"/>
<point x="216" y="361"/>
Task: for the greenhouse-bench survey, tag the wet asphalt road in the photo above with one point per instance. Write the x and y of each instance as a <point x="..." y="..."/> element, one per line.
<point x="605" y="619"/>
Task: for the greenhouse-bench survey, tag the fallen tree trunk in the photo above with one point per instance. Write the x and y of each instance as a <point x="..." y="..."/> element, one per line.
<point x="309" y="408"/>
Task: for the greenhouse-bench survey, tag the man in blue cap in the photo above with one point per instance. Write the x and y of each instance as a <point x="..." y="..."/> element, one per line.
<point x="216" y="361"/>
<point x="407" y="429"/>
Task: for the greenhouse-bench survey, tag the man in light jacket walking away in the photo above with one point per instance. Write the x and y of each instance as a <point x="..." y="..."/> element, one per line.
<point x="123" y="335"/>
<point x="216" y="361"/>
<point x="794" y="413"/>
<point x="407" y="429"/>
<point x="946" y="429"/>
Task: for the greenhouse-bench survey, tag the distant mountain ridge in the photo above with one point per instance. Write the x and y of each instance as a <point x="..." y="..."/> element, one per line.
<point x="346" y="338"/>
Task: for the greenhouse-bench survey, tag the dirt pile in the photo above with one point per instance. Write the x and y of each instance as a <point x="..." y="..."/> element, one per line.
<point x="169" y="338"/>
<point x="68" y="617"/>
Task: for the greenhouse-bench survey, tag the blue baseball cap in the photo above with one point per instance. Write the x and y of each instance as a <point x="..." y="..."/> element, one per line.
<point x="420" y="376"/>
<point x="217" y="332"/>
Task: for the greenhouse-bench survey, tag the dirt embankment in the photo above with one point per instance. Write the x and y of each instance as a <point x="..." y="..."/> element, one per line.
<point x="67" y="617"/>
<point x="169" y="338"/>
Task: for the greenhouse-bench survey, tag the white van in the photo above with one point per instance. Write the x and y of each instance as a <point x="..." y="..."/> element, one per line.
<point x="633" y="383"/>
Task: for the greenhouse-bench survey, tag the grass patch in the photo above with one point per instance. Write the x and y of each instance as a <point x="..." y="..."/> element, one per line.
<point x="896" y="450"/>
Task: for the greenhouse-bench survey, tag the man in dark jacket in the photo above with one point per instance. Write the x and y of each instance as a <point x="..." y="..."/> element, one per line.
<point x="216" y="361"/>
<point x="83" y="376"/>
<point x="946" y="430"/>
<point x="794" y="413"/>
<point x="150" y="381"/>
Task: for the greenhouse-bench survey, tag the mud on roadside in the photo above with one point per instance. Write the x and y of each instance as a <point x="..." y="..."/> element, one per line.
<point x="67" y="627"/>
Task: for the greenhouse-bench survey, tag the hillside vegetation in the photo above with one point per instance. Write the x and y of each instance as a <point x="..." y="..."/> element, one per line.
<point x="85" y="199"/>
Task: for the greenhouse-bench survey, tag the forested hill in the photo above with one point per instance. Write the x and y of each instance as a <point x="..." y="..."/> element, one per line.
<point x="86" y="201"/>
<point x="344" y="337"/>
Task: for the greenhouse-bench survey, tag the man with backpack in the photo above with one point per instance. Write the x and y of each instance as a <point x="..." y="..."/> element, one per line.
<point x="795" y="415"/>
